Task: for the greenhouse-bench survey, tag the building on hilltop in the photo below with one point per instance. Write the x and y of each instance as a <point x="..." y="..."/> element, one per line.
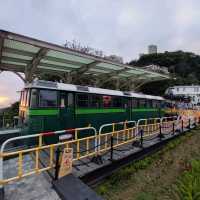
<point x="152" y="49"/>
<point x="157" y="68"/>
<point x="192" y="92"/>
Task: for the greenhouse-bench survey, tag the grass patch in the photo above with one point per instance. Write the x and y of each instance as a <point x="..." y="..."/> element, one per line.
<point x="144" y="196"/>
<point x="187" y="187"/>
<point x="126" y="175"/>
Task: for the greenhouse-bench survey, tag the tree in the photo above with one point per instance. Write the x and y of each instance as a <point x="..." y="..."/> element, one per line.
<point x="185" y="66"/>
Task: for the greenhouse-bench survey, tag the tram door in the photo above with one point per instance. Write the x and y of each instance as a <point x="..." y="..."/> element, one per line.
<point x="66" y="110"/>
<point x="128" y="108"/>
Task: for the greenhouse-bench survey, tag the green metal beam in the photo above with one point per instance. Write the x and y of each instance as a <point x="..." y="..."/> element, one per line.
<point x="18" y="60"/>
<point x="32" y="66"/>
<point x="12" y="67"/>
<point x="55" y="66"/>
<point x="49" y="58"/>
<point x="79" y="72"/>
<point x="18" y="52"/>
<point x="103" y="78"/>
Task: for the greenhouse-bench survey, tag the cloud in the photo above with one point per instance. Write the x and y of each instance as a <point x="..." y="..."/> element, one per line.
<point x="10" y="85"/>
<point x="124" y="28"/>
<point x="4" y="101"/>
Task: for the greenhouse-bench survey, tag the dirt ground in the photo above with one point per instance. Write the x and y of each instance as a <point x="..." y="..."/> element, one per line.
<point x="157" y="180"/>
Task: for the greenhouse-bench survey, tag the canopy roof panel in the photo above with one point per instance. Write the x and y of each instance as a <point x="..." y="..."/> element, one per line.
<point x="32" y="57"/>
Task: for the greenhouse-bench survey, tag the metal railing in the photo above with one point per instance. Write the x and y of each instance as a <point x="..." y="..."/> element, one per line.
<point x="123" y="133"/>
<point x="93" y="145"/>
<point x="8" y="122"/>
<point x="75" y="143"/>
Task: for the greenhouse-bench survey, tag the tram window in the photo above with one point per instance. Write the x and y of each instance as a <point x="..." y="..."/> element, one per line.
<point x="27" y="97"/>
<point x="142" y="103"/>
<point x="156" y="104"/>
<point x="33" y="101"/>
<point x="48" y="98"/>
<point x="134" y="103"/>
<point x="82" y="100"/>
<point x="70" y="99"/>
<point x="107" y="100"/>
<point x="63" y="100"/>
<point x="22" y="98"/>
<point x="95" y="101"/>
<point x="149" y="103"/>
<point x="66" y="99"/>
<point x="117" y="102"/>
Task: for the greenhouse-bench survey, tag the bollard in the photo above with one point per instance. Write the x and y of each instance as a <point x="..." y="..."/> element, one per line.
<point x="57" y="167"/>
<point x="111" y="148"/>
<point x="141" y="138"/>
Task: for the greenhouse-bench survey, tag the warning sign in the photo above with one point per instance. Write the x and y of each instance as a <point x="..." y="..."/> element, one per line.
<point x="66" y="162"/>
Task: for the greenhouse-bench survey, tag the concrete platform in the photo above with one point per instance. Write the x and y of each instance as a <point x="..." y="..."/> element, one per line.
<point x="35" y="187"/>
<point x="72" y="188"/>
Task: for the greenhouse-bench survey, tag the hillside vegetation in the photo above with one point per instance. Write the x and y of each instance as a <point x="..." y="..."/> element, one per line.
<point x="185" y="66"/>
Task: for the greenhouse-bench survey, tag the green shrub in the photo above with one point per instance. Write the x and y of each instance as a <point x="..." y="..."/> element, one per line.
<point x="187" y="186"/>
<point x="144" y="196"/>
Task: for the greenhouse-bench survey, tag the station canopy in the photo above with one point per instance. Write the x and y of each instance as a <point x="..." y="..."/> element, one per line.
<point x="34" y="58"/>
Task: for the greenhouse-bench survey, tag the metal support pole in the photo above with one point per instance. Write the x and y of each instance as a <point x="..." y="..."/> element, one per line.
<point x="173" y="128"/>
<point x="3" y="122"/>
<point x="195" y="122"/>
<point x="182" y="125"/>
<point x="189" y="124"/>
<point x="57" y="167"/>
<point x="111" y="148"/>
<point x="160" y="133"/>
<point x="2" y="193"/>
<point x="141" y="138"/>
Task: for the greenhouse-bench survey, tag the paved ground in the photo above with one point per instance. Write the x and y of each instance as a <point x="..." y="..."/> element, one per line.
<point x="35" y="187"/>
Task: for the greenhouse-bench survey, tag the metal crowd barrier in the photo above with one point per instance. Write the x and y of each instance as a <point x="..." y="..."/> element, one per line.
<point x="121" y="135"/>
<point x="148" y="126"/>
<point x="89" y="146"/>
<point x="74" y="143"/>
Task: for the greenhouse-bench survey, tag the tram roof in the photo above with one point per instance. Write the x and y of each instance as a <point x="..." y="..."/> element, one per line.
<point x="86" y="89"/>
<point x="20" y="53"/>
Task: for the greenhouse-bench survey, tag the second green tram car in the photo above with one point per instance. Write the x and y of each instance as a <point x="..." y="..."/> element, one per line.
<point x="50" y="106"/>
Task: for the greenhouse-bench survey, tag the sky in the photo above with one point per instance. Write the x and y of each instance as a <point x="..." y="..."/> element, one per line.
<point x="121" y="27"/>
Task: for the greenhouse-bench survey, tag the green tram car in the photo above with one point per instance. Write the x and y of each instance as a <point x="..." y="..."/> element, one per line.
<point x="50" y="106"/>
